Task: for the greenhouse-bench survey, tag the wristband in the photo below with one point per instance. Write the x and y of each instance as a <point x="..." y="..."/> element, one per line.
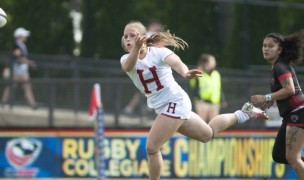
<point x="268" y="97"/>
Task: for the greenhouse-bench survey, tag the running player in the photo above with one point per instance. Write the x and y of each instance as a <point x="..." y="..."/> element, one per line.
<point x="281" y="53"/>
<point x="149" y="64"/>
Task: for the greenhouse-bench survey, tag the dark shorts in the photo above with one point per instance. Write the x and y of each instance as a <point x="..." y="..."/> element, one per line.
<point x="295" y="118"/>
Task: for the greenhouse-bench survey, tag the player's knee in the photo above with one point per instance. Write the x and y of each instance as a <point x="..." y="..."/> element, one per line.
<point x="207" y="136"/>
<point x="151" y="150"/>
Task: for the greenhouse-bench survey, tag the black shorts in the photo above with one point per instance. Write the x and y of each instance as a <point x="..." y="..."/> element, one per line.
<point x="295" y="118"/>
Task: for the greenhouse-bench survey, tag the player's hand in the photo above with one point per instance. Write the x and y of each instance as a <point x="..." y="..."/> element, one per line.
<point x="193" y="74"/>
<point x="257" y="100"/>
<point x="140" y="40"/>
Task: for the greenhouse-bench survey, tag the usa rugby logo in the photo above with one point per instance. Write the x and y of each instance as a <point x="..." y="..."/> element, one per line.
<point x="22" y="151"/>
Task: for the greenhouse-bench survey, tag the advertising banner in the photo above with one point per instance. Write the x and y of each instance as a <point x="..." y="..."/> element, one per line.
<point x="245" y="155"/>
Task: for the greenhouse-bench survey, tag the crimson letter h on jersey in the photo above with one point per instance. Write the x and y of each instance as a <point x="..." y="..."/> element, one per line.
<point x="146" y="81"/>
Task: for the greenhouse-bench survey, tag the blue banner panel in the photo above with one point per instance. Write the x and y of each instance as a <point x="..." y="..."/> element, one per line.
<point x="29" y="156"/>
<point x="71" y="155"/>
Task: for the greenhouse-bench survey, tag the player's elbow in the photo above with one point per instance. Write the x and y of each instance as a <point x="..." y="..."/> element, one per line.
<point x="291" y="91"/>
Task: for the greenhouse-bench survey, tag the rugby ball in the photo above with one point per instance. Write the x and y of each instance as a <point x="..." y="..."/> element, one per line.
<point x="3" y="19"/>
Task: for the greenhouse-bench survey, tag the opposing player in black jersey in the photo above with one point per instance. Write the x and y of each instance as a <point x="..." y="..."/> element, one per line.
<point x="281" y="53"/>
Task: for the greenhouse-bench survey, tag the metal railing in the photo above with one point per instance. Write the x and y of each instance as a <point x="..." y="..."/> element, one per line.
<point x="65" y="84"/>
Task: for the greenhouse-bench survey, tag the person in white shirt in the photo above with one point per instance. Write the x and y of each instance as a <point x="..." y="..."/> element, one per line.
<point x="21" y="64"/>
<point x="153" y="27"/>
<point x="149" y="64"/>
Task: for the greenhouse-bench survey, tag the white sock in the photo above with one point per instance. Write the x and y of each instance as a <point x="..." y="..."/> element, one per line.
<point x="241" y="116"/>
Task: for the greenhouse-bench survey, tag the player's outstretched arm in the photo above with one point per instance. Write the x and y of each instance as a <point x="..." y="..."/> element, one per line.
<point x="177" y="64"/>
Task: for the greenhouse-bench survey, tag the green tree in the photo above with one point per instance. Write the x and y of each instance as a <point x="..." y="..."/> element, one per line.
<point x="103" y="23"/>
<point x="291" y="18"/>
<point x="49" y="22"/>
<point x="194" y="22"/>
<point x="244" y="42"/>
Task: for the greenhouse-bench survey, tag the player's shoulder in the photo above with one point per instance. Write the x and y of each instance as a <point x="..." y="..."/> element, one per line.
<point x="281" y="64"/>
<point x="124" y="57"/>
<point x="158" y="49"/>
<point x="162" y="51"/>
<point x="282" y="67"/>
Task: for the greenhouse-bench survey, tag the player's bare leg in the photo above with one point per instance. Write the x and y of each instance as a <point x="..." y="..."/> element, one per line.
<point x="224" y="121"/>
<point x="196" y="128"/>
<point x="294" y="145"/>
<point x="161" y="131"/>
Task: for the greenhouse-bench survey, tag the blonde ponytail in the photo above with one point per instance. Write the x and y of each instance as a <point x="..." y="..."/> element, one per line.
<point x="166" y="39"/>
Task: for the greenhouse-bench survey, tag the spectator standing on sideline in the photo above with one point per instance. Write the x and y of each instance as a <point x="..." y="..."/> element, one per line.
<point x="150" y="69"/>
<point x="153" y="26"/>
<point x="281" y="53"/>
<point x="207" y="89"/>
<point x="21" y="64"/>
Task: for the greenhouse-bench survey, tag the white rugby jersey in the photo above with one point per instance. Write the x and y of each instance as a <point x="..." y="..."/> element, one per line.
<point x="154" y="78"/>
